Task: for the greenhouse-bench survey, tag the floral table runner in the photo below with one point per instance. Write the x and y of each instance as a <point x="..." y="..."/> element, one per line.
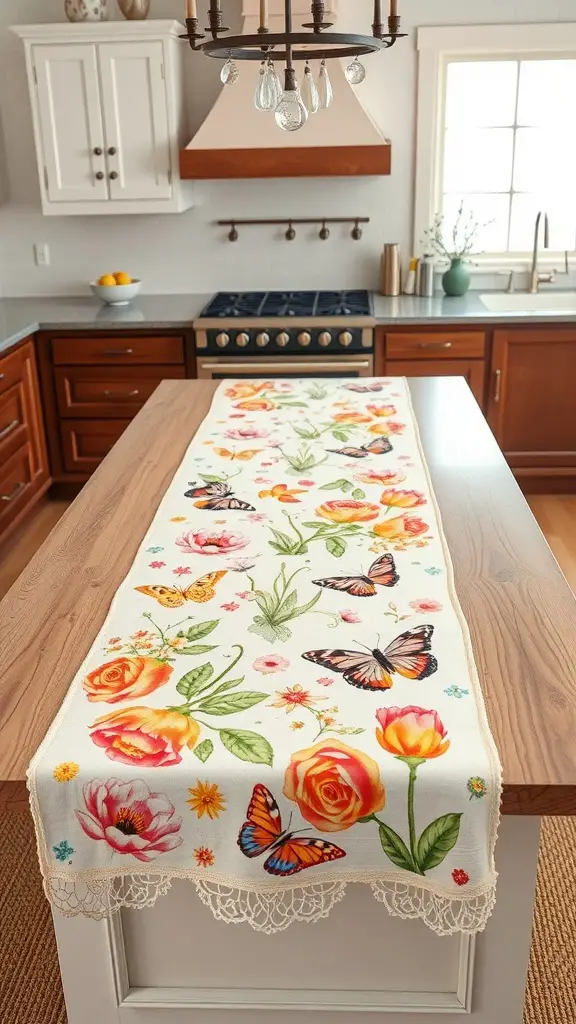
<point x="282" y="699"/>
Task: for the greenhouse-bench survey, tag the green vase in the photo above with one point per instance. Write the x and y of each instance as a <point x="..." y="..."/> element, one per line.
<point x="456" y="280"/>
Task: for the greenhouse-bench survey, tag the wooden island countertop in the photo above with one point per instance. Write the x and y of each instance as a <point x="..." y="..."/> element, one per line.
<point x="520" y="609"/>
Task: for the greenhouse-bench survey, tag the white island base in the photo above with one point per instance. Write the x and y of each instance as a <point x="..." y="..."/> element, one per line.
<point x="175" y="964"/>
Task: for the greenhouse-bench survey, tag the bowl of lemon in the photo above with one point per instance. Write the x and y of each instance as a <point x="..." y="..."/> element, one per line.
<point x="116" y="289"/>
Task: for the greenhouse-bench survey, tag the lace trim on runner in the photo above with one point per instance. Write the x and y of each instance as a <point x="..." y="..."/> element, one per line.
<point x="274" y="910"/>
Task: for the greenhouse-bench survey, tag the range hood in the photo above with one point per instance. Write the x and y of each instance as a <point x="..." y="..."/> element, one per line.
<point x="238" y="141"/>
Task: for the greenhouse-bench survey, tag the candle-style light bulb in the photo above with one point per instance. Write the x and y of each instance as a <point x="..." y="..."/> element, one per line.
<point x="191" y="9"/>
<point x="291" y="114"/>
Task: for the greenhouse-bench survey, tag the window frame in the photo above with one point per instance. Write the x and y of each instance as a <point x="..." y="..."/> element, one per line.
<point x="439" y="46"/>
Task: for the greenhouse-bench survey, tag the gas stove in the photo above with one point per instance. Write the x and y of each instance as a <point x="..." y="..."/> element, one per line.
<point x="286" y="334"/>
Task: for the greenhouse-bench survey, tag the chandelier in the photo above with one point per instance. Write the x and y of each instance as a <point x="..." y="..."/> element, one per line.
<point x="290" y="101"/>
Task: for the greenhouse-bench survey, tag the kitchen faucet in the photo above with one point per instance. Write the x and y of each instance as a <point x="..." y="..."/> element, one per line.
<point x="536" y="279"/>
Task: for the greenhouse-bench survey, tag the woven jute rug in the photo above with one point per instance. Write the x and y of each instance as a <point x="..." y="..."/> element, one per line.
<point x="30" y="991"/>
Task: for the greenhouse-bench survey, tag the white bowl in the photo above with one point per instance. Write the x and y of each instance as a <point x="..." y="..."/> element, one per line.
<point x="117" y="295"/>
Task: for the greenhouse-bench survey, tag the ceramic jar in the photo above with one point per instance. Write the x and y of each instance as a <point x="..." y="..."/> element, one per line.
<point x="456" y="280"/>
<point x="135" y="10"/>
<point x="86" y="10"/>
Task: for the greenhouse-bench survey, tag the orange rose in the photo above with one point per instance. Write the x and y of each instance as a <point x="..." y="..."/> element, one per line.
<point x="348" y="511"/>
<point x="401" y="528"/>
<point x="382" y="410"/>
<point x="351" y="417"/>
<point x="256" y="405"/>
<point x="411" y="732"/>
<point x="247" y="389"/>
<point x="402" y="499"/>
<point x="334" y="785"/>
<point x="125" y="679"/>
<point x="145" y="736"/>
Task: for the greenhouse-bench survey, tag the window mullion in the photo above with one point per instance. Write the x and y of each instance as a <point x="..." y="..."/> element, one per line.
<point x="514" y="147"/>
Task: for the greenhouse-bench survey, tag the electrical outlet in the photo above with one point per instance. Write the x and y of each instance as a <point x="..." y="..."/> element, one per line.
<point x="42" y="254"/>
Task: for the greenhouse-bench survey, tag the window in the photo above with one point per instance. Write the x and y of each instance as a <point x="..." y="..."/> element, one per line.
<point x="500" y="137"/>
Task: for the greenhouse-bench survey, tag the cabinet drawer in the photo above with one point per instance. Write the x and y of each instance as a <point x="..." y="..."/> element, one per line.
<point x="110" y="391"/>
<point x="16" y="485"/>
<point x="86" y="442"/>
<point x="13" y="367"/>
<point x="436" y="345"/>
<point x="13" y="427"/>
<point x="115" y="351"/>
<point x="20" y="412"/>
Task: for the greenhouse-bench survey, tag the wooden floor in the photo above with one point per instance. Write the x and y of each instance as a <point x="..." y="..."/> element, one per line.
<point x="556" y="515"/>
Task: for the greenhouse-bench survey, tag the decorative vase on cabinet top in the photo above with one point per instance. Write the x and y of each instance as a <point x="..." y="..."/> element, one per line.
<point x="86" y="10"/>
<point x="456" y="280"/>
<point x="135" y="10"/>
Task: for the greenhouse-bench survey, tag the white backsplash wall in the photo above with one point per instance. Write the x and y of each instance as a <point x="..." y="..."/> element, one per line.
<point x="187" y="252"/>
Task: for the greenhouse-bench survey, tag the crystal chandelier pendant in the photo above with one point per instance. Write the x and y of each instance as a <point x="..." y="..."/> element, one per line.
<point x="310" y="97"/>
<point x="263" y="98"/>
<point x="325" y="93"/>
<point x="275" y="83"/>
<point x="291" y="114"/>
<point x="229" y="73"/>
<point x="355" y="72"/>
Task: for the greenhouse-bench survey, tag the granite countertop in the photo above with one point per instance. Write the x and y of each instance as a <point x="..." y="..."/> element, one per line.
<point x="22" y="317"/>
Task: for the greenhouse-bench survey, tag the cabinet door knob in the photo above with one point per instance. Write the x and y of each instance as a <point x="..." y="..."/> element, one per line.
<point x="113" y="175"/>
<point x="112" y="151"/>
<point x="99" y="175"/>
<point x="98" y="151"/>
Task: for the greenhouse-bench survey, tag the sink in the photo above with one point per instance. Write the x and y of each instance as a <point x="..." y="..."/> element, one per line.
<point x="544" y="302"/>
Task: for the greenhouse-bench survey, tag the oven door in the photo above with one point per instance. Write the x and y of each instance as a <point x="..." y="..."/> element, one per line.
<point x="288" y="366"/>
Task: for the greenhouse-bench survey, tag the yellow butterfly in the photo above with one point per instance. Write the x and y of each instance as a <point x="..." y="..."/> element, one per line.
<point x="237" y="456"/>
<point x="202" y="590"/>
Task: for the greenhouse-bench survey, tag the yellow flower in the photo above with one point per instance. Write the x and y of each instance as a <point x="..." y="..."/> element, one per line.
<point x="348" y="511"/>
<point x="66" y="771"/>
<point x="179" y="519"/>
<point x="206" y="799"/>
<point x="295" y="697"/>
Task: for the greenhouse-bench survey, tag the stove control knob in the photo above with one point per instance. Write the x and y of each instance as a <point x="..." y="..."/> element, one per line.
<point x="262" y="340"/>
<point x="222" y="340"/>
<point x="325" y="339"/>
<point x="283" y="339"/>
<point x="242" y="340"/>
<point x="346" y="338"/>
<point x="304" y="339"/>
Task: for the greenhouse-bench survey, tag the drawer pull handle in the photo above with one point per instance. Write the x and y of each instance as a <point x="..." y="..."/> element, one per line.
<point x="10" y="497"/>
<point x="2" y="375"/>
<point x="8" y="430"/>
<point x="119" y="398"/>
<point x="435" y="344"/>
<point x="118" y="352"/>
<point x="497" y="385"/>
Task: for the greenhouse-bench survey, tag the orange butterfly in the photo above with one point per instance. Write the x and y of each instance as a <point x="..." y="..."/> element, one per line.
<point x="237" y="456"/>
<point x="202" y="590"/>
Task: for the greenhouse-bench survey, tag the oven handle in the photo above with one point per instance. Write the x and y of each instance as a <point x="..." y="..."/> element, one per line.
<point x="271" y="366"/>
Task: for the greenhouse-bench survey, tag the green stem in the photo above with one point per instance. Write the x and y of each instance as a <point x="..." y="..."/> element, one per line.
<point x="158" y="628"/>
<point x="413" y="769"/>
<point x="218" y="679"/>
<point x="296" y="530"/>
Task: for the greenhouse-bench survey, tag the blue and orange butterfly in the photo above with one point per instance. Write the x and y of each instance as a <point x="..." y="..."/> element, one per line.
<point x="263" y="833"/>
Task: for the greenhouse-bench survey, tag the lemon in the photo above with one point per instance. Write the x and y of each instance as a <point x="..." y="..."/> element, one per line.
<point x="121" y="278"/>
<point x="107" y="279"/>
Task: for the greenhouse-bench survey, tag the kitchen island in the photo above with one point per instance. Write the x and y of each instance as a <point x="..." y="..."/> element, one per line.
<point x="165" y="964"/>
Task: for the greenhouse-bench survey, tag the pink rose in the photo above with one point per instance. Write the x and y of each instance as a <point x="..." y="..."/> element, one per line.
<point x="270" y="664"/>
<point x="425" y="605"/>
<point x="130" y="818"/>
<point x="205" y="543"/>
<point x="246" y="434"/>
<point x="348" y="616"/>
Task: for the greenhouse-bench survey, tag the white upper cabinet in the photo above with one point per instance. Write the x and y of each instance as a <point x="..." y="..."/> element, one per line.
<point x="108" y="116"/>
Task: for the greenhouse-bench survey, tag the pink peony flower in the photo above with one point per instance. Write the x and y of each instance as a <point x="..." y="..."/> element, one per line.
<point x="246" y="434"/>
<point x="425" y="605"/>
<point x="130" y="818"/>
<point x="205" y="543"/>
<point x="348" y="616"/>
<point x="231" y="606"/>
<point x="247" y="595"/>
<point x="270" y="664"/>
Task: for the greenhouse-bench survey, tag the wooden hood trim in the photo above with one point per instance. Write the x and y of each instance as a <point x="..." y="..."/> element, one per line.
<point x="304" y="162"/>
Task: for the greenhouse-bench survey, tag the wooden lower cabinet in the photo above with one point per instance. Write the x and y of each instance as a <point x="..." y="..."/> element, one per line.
<point x="24" y="474"/>
<point x="472" y="369"/>
<point x="86" y="442"/>
<point x="532" y="404"/>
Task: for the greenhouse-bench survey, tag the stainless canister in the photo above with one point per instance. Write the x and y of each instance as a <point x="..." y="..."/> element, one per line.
<point x="426" y="279"/>
<point x="391" y="270"/>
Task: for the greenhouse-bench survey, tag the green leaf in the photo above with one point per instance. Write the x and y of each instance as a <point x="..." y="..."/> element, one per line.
<point x="340" y="435"/>
<point x="282" y="538"/>
<point x="437" y="840"/>
<point x="247" y="746"/>
<point x="212" y="479"/>
<point x="203" y="750"/>
<point x="395" y="848"/>
<point x="269" y="631"/>
<point x="305" y="607"/>
<point x="336" y="485"/>
<point x="306" y="432"/>
<point x="347" y="486"/>
<point x="201" y="629"/>
<point x="336" y="546"/>
<point x="358" y="494"/>
<point x="230" y="684"/>
<point x="193" y="681"/>
<point x="228" y="705"/>
<point x="293" y="405"/>
<point x="196" y="649"/>
<point x="288" y="605"/>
